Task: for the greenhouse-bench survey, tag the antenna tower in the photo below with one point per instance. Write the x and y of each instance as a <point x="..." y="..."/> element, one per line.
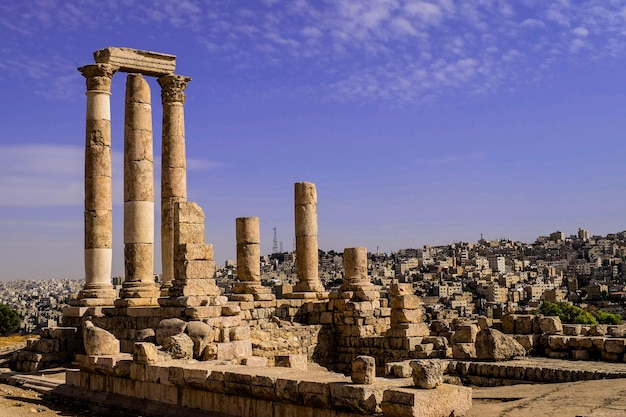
<point x="275" y="243"/>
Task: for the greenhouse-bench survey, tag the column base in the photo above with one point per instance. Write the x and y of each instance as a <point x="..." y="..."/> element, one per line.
<point x="95" y="296"/>
<point x="137" y="302"/>
<point x="321" y="295"/>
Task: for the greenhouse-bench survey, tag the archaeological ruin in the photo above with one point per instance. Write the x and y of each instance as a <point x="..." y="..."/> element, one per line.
<point x="187" y="346"/>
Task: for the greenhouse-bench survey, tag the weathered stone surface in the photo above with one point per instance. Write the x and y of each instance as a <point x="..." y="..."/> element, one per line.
<point x="361" y="398"/>
<point x="98" y="341"/>
<point x="465" y="334"/>
<point x="463" y="350"/>
<point x="443" y="401"/>
<point x="135" y="60"/>
<point x="169" y="327"/>
<point x="145" y="335"/>
<point x="495" y="345"/>
<point x="291" y="361"/>
<point x="427" y="374"/>
<point x="364" y="370"/>
<point x="201" y="334"/>
<point x="180" y="346"/>
<point x="145" y="353"/>
<point x="551" y="325"/>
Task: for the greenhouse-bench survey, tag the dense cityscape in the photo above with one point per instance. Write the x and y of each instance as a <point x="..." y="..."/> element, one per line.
<point x="457" y="280"/>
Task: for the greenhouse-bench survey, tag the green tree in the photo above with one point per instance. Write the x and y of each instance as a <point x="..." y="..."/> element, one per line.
<point x="607" y="318"/>
<point x="567" y="312"/>
<point x="9" y="319"/>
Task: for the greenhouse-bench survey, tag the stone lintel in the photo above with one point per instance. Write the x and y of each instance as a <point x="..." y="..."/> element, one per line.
<point x="130" y="60"/>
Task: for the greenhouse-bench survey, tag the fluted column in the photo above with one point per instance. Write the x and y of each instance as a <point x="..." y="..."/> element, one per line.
<point x="98" y="289"/>
<point x="173" y="168"/>
<point x="139" y="287"/>
<point x="306" y="239"/>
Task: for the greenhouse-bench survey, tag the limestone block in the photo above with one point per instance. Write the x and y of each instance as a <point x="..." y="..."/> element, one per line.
<point x="231" y="310"/>
<point x="599" y="330"/>
<point x="306" y="219"/>
<point x="409" y="302"/>
<point x="145" y="335"/>
<point x="400" y="289"/>
<point x="187" y="212"/>
<point x="189" y="233"/>
<point x="180" y="346"/>
<point x="572" y="329"/>
<point x="406" y="316"/>
<point x="598" y="343"/>
<point x="138" y="262"/>
<point x="495" y="345"/>
<point x="524" y="324"/>
<point x="287" y="390"/>
<point x="439" y="326"/>
<point x="551" y="325"/>
<point x="508" y="323"/>
<point x="255" y="361"/>
<point x="399" y="369"/>
<point x="315" y="394"/>
<point x="528" y="341"/>
<point x="291" y="361"/>
<point x="248" y="255"/>
<point x="198" y="269"/>
<point x="445" y="400"/>
<point x="427" y="374"/>
<point x="138" y="140"/>
<point x="145" y="353"/>
<point x="463" y="350"/>
<point x="614" y="345"/>
<point x="465" y="334"/>
<point x="363" y="370"/>
<point x="193" y="252"/>
<point x="307" y="256"/>
<point x="581" y="355"/>
<point x="98" y="341"/>
<point x="169" y="327"/>
<point x="363" y="399"/>
<point x="98" y="190"/>
<point x="617" y="331"/>
<point x="558" y="342"/>
<point x="305" y="193"/>
<point x="135" y="60"/>
<point x="201" y="334"/>
<point x="240" y="333"/>
<point x="437" y="341"/>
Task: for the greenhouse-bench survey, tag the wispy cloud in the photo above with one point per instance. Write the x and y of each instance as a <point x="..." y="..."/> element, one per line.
<point x="394" y="50"/>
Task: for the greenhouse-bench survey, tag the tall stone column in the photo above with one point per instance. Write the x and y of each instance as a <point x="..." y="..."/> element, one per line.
<point x="173" y="168"/>
<point x="306" y="239"/>
<point x="98" y="289"/>
<point x="139" y="287"/>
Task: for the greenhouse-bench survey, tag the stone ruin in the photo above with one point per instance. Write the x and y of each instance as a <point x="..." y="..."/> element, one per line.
<point x="186" y="346"/>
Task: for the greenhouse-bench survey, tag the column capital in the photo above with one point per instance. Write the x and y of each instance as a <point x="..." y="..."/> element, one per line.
<point x="173" y="88"/>
<point x="98" y="76"/>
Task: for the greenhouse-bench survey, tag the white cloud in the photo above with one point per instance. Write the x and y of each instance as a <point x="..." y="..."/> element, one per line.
<point x="581" y="32"/>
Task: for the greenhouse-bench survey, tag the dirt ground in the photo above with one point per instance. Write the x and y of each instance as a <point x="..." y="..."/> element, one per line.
<point x="19" y="402"/>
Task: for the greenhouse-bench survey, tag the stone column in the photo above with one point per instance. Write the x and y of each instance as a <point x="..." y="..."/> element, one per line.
<point x="356" y="283"/>
<point x="248" y="261"/>
<point x="98" y="289"/>
<point x="306" y="239"/>
<point x="139" y="287"/>
<point x="173" y="168"/>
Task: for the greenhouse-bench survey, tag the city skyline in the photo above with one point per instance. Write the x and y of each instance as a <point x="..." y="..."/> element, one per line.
<point x="420" y="122"/>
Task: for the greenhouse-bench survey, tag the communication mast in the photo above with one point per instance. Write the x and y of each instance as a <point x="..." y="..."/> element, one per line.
<point x="275" y="243"/>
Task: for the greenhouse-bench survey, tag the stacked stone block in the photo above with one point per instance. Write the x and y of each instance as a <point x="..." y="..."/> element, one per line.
<point x="56" y="346"/>
<point x="194" y="267"/>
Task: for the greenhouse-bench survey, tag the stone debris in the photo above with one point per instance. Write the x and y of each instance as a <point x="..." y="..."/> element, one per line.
<point x="98" y="341"/>
<point x="427" y="374"/>
<point x="364" y="370"/>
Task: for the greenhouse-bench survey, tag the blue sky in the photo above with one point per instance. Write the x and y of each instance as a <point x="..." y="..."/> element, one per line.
<point x="421" y="122"/>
